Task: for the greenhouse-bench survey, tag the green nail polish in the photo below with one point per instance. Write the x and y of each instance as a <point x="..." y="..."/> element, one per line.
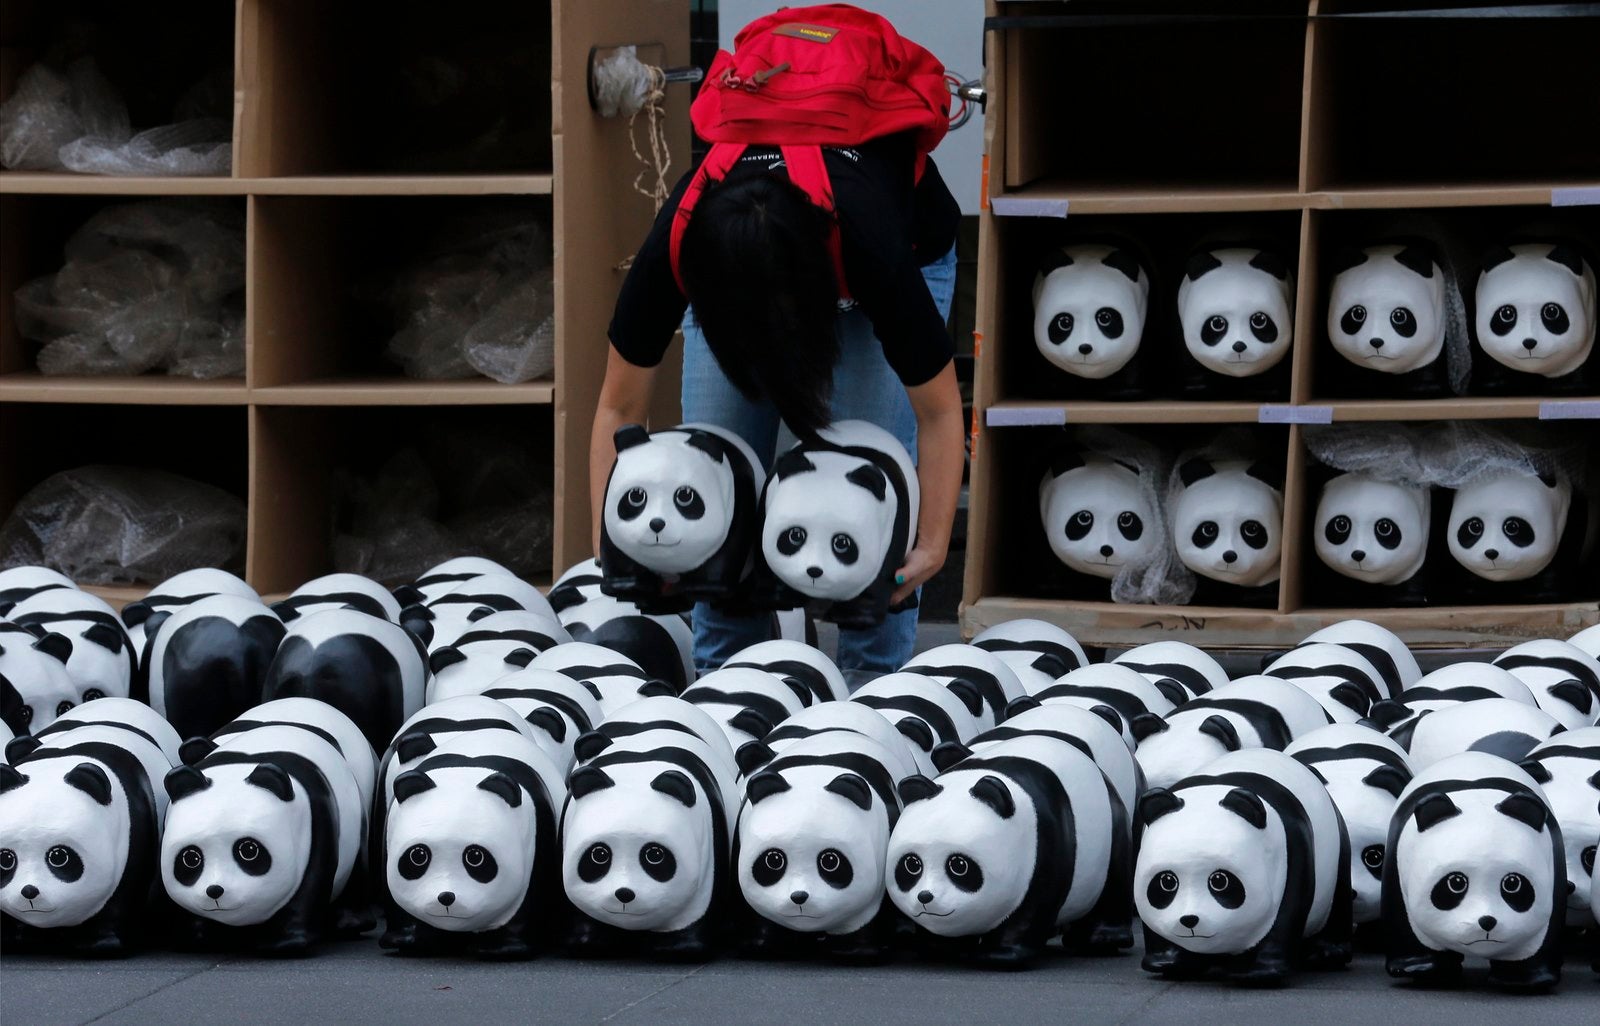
<point x="899" y="578"/>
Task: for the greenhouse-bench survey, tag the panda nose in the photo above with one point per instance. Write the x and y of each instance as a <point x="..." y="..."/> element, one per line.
<point x="799" y="897"/>
<point x="1191" y="920"/>
<point x="214" y="891"/>
<point x="658" y="525"/>
<point x="447" y="898"/>
<point x="29" y="891"/>
<point x="1491" y="554"/>
<point x="1358" y="555"/>
<point x="1085" y="348"/>
<point x="1230" y="557"/>
<point x="813" y="572"/>
<point x="924" y="896"/>
<point x="625" y="895"/>
<point x="1530" y="344"/>
<point x="1106" y="551"/>
<point x="1238" y="346"/>
<point x="1376" y="343"/>
<point x="1487" y="922"/>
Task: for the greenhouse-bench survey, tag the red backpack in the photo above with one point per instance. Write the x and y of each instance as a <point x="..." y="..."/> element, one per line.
<point x="807" y="77"/>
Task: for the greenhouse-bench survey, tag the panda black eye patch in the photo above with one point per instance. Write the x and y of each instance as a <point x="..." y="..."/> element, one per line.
<point x="1225" y="888"/>
<point x="64" y="863"/>
<point x="1517" y="891"/>
<point x="1554" y="319"/>
<point x="1518" y="531"/>
<point x="1388" y="533"/>
<point x="964" y="873"/>
<point x="1403" y="322"/>
<point x="1060" y="328"/>
<point x="1213" y="330"/>
<point x="769" y="867"/>
<point x="1078" y="525"/>
<point x="844" y="549"/>
<point x="8" y="865"/>
<point x="790" y="541"/>
<point x="1372" y="858"/>
<point x="689" y="503"/>
<point x="1449" y="891"/>
<point x="632" y="503"/>
<point x="1254" y="534"/>
<point x="414" y="862"/>
<point x="835" y="869"/>
<point x="479" y="863"/>
<point x="1162" y="889"/>
<point x="658" y="862"/>
<point x="1504" y="320"/>
<point x="595" y="863"/>
<point x="1263" y="328"/>
<point x="1353" y="319"/>
<point x="1205" y="534"/>
<point x="1109" y="322"/>
<point x="187" y="864"/>
<point x="252" y="856"/>
<point x="1469" y="532"/>
<point x="1337" y="530"/>
<point x="907" y="872"/>
<point x="1129" y="525"/>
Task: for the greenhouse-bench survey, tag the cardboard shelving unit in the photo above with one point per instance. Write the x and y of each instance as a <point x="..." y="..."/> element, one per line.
<point x="335" y="179"/>
<point x="1295" y="115"/>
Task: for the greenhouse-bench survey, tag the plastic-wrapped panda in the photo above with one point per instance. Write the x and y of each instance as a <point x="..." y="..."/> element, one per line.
<point x="35" y="687"/>
<point x="1251" y="712"/>
<point x="1033" y="645"/>
<point x="1386" y="318"/>
<point x="1379" y="646"/>
<point x="1534" y="318"/>
<point x="1567" y="768"/>
<point x="796" y="661"/>
<point x="1227" y="525"/>
<point x="1499" y="726"/>
<point x="746" y="702"/>
<point x="1564" y="679"/>
<point x="1444" y="688"/>
<point x="1096" y="516"/>
<point x="1241" y="868"/>
<point x="339" y="591"/>
<point x="1517" y="537"/>
<point x="208" y="661"/>
<point x="838" y="517"/>
<point x="21" y="582"/>
<point x="988" y="673"/>
<point x="1374" y="537"/>
<point x="1475" y="868"/>
<point x="680" y="516"/>
<point x="1236" y="306"/>
<point x="1090" y="306"/>
<point x="1135" y="698"/>
<point x="102" y="662"/>
<point x="1175" y="664"/>
<point x="1340" y="678"/>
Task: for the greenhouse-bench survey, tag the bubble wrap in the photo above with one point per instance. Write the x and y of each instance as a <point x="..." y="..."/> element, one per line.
<point x="1449" y="454"/>
<point x="1163" y="580"/>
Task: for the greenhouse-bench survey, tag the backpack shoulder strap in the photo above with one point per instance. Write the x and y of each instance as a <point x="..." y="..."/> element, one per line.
<point x="720" y="159"/>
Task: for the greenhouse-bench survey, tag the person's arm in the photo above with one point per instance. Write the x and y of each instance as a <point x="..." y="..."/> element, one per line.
<point x="624" y="399"/>
<point x="941" y="457"/>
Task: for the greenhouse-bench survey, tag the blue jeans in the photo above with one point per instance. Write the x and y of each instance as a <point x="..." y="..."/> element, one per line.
<point x="864" y="388"/>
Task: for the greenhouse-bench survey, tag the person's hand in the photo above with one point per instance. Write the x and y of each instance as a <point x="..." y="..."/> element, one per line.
<point x="921" y="564"/>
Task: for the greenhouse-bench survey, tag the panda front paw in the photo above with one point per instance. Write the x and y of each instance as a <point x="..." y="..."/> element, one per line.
<point x="1426" y="969"/>
<point x="1263" y="972"/>
<point x="103" y="945"/>
<point x="294" y="942"/>
<point x="1006" y="957"/>
<point x="351" y="922"/>
<point x="1529" y="977"/>
<point x="1100" y="939"/>
<point x="683" y="946"/>
<point x="402" y="939"/>
<point x="501" y="946"/>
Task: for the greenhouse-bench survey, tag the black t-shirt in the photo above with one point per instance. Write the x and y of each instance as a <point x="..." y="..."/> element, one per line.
<point x="890" y="226"/>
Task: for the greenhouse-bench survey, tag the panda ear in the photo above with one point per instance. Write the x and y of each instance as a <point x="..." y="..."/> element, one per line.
<point x="1247" y="805"/>
<point x="752" y="755"/>
<point x="1271" y="263"/>
<point x="586" y="780"/>
<point x="286" y="611"/>
<point x="852" y="788"/>
<point x="106" y="636"/>
<point x="1052" y="665"/>
<point x="10" y="777"/>
<point x="629" y="435"/>
<point x="1534" y="768"/>
<point x="549" y="721"/>
<point x="674" y="784"/>
<point x="1567" y="257"/>
<point x="272" y="778"/>
<point x="480" y="613"/>
<point x="1350" y="696"/>
<point x="800" y="690"/>
<point x="1524" y="808"/>
<point x="135" y="613"/>
<point x="1197" y="469"/>
<point x="764" y="785"/>
<point x="709" y="444"/>
<point x="441" y="659"/>
<point x="915" y="788"/>
<point x="1064" y="459"/>
<point x="969" y="694"/>
<point x="992" y="791"/>
<point x="589" y="744"/>
<point x="1386" y="713"/>
<point x="1594" y="781"/>
<point x="654" y="688"/>
<point x="1418" y="258"/>
<point x="1434" y="809"/>
<point x="414" y="746"/>
<point x="1549" y="480"/>
<point x="56" y="646"/>
<point x="1388" y="778"/>
<point x="406" y="595"/>
<point x="153" y="622"/>
<point x="1157" y="802"/>
<point x="791" y="463"/>
<point x="520" y="657"/>
<point x="1172" y="691"/>
<point x="751" y="722"/>
<point x="1495" y="257"/>
<point x="948" y="753"/>
<point x="868" y="476"/>
<point x="1124" y="261"/>
<point x="1146" y="725"/>
<point x="917" y="732"/>
<point x="1055" y="260"/>
<point x="1267" y="473"/>
<point x="1222" y="729"/>
<point x="410" y="784"/>
<point x="1347" y="258"/>
<point x="1110" y="715"/>
<point x="591" y="687"/>
<point x="19" y="748"/>
<point x="194" y="750"/>
<point x="418" y="622"/>
<point x="183" y="781"/>
<point x="563" y="599"/>
<point x="1574" y="694"/>
<point x="502" y="786"/>
<point x="1021" y="704"/>
<point x="1200" y="265"/>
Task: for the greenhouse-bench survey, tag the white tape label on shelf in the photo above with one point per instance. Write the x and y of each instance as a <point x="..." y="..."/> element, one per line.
<point x="1285" y="413"/>
<point x="1025" y="416"/>
<point x="1028" y="206"/>
<point x="1576" y="196"/>
<point x="1570" y="409"/>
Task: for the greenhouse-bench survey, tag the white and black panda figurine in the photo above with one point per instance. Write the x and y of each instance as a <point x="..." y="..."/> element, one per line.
<point x="1386" y="318"/>
<point x="1475" y="868"/>
<point x="1038" y="652"/>
<point x="680" y="516"/>
<point x="1499" y="726"/>
<point x="1241" y="870"/>
<point x="1380" y="646"/>
<point x="168" y="597"/>
<point x="1445" y="688"/>
<point x="663" y="644"/>
<point x="1518" y="537"/>
<point x="924" y="711"/>
<point x="208" y="661"/>
<point x="368" y="668"/>
<point x="996" y="684"/>
<point x="103" y="661"/>
<point x="826" y="717"/>
<point x="1364" y="772"/>
<point x="1373" y="536"/>
<point x="21" y="582"/>
<point x="810" y="849"/>
<point x="1564" y="679"/>
<point x="1339" y="678"/>
<point x="615" y="680"/>
<point x="262" y="837"/>
<point x="453" y="673"/>
<point x="1097" y="518"/>
<point x="745" y="702"/>
<point x="796" y="661"/>
<point x="445" y="578"/>
<point x="1090" y="306"/>
<point x="309" y="714"/>
<point x="1121" y="688"/>
<point x="1534" y="318"/>
<point x="470" y="849"/>
<point x="1236" y="308"/>
<point x="35" y="687"/>
<point x="1251" y="712"/>
<point x="1567" y="768"/>
<point x="444" y="619"/>
<point x="125" y="715"/>
<point x="1011" y="846"/>
<point x="1175" y="664"/>
<point x="499" y="634"/>
<point x="1587" y="640"/>
<point x="1227" y="525"/>
<point x="838" y="517"/>
<point x="339" y="591"/>
<point x="558" y="708"/>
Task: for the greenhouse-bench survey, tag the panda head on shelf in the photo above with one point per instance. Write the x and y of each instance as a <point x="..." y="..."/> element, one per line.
<point x="1096" y="515"/>
<point x="1237" y="310"/>
<point x="1386" y="307"/>
<point x="1089" y="308"/>
<point x="1372" y="531"/>
<point x="1507" y="526"/>
<point x="1534" y="310"/>
<point x="670" y="499"/>
<point x="1227" y="522"/>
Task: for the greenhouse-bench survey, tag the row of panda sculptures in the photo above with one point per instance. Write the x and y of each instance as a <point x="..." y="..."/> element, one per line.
<point x="498" y="788"/>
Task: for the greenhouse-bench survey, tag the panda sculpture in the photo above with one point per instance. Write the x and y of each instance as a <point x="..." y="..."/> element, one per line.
<point x="102" y="662"/>
<point x="1364" y="772"/>
<point x="208" y="661"/>
<point x="1236" y="308"/>
<point x="261" y="840"/>
<point x="1251" y="712"/>
<point x="923" y="710"/>
<point x="796" y="661"/>
<point x="1090" y="306"/>
<point x="368" y="668"/>
<point x="433" y="726"/>
<point x="445" y="578"/>
<point x="1241" y="870"/>
<point x="615" y="680"/>
<point x="1097" y="518"/>
<point x="1121" y="688"/>
<point x="1010" y="847"/>
<point x="1227" y="526"/>
<point x="1175" y="664"/>
<point x="680" y="517"/>
<point x="131" y="717"/>
<point x="996" y="684"/>
<point x="453" y="673"/>
<point x="339" y="591"/>
<point x="747" y="703"/>
<point x="1587" y="640"/>
<point x="1445" y="688"/>
<point x="499" y="634"/>
<point x="1567" y="768"/>
<point x="1564" y="679"/>
<point x="1476" y="868"/>
<point x="446" y="618"/>
<point x="828" y="717"/>
<point x="470" y="849"/>
<point x="1534" y="319"/>
<point x="22" y="582"/>
<point x="1386" y="318"/>
<point x="1339" y="678"/>
<point x="35" y="687"/>
<point x="1025" y="644"/>
<point x="1379" y="646"/>
<point x="558" y="709"/>
<point x="810" y="848"/>
<point x="838" y="517"/>
<point x="1499" y="726"/>
<point x="1373" y="536"/>
<point x="169" y="597"/>
<point x="1517" y="537"/>
<point x="663" y="644"/>
<point x="309" y="714"/>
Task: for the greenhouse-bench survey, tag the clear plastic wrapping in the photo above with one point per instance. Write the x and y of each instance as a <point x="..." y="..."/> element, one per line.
<point x="1448" y="454"/>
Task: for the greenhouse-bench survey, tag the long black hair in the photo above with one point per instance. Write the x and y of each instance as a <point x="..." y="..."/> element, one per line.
<point x="757" y="268"/>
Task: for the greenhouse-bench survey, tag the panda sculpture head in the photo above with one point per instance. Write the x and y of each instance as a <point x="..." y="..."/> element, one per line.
<point x="1372" y="531"/>
<point x="1507" y="526"/>
<point x="1227" y="523"/>
<point x="64" y="839"/>
<point x="1237" y="310"/>
<point x="1386" y="308"/>
<point x="35" y="687"/>
<point x="1089" y="308"/>
<point x="1535" y="308"/>
<point x="102" y="659"/>
<point x="1097" y="517"/>
<point x="671" y="497"/>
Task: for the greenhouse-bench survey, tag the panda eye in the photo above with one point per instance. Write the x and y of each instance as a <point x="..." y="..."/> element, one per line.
<point x="1258" y="320"/>
<point x="828" y="861"/>
<point x="1474" y="527"/>
<point x="684" y="496"/>
<point x="1213" y="329"/>
<point x="191" y="857"/>
<point x="63" y="708"/>
<point x="1504" y="320"/>
<point x="1060" y="328"/>
<point x="1084" y="518"/>
<point x="654" y="854"/>
<point x="419" y="855"/>
<point x="1512" y="527"/>
<point x="247" y="850"/>
<point x="1554" y="318"/>
<point x="1109" y="322"/>
<point x="1372" y="856"/>
<point x="1357" y="313"/>
<point x="1457" y="883"/>
<point x="1384" y="528"/>
<point x="1218" y="881"/>
<point x="27" y="715"/>
<point x="1254" y="534"/>
<point x="57" y="857"/>
<point x="956" y="866"/>
<point x="1167" y="881"/>
<point x="844" y="549"/>
<point x="774" y="860"/>
<point x="473" y="856"/>
<point x="1586" y="859"/>
<point x="8" y="859"/>
<point x="1218" y="324"/>
<point x="842" y="543"/>
<point x="635" y="498"/>
<point x="92" y="694"/>
<point x="1209" y="529"/>
<point x="1340" y="525"/>
<point x="1125" y="519"/>
<point x="912" y="865"/>
<point x="796" y="536"/>
<point x="1405" y="325"/>
<point x="1511" y="884"/>
<point x="600" y="855"/>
